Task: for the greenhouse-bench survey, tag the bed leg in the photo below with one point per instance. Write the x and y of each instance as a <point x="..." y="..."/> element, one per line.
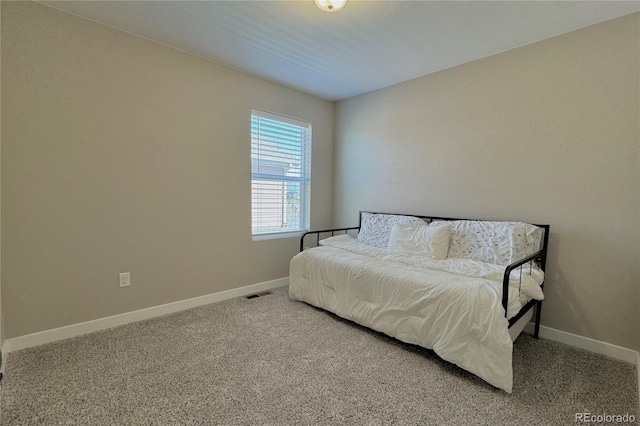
<point x="536" y="332"/>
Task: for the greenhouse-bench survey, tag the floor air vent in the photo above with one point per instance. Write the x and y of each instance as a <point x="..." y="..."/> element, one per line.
<point x="253" y="296"/>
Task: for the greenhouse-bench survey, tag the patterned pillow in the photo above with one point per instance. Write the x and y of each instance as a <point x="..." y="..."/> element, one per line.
<point x="533" y="242"/>
<point x="500" y="243"/>
<point x="375" y="229"/>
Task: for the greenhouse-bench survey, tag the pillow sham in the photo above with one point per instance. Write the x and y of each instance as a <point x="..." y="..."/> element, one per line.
<point x="533" y="236"/>
<point x="499" y="243"/>
<point x="375" y="228"/>
<point x="431" y="240"/>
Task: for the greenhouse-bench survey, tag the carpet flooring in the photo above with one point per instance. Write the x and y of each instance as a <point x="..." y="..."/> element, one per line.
<point x="274" y="361"/>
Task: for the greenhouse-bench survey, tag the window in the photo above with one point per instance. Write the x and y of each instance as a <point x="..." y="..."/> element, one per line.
<point x="280" y="175"/>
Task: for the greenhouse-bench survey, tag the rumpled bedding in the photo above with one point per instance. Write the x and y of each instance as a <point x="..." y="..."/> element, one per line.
<point x="452" y="306"/>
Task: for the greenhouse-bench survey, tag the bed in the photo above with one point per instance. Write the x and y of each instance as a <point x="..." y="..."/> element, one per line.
<point x="463" y="288"/>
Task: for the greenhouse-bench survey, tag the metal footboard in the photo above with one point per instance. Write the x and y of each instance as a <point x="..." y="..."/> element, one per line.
<point x="537" y="259"/>
<point x="540" y="260"/>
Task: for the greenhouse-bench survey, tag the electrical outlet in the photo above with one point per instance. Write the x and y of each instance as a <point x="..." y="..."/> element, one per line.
<point x="125" y="279"/>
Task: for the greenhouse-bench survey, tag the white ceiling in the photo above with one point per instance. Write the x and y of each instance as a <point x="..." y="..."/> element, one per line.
<point x="365" y="46"/>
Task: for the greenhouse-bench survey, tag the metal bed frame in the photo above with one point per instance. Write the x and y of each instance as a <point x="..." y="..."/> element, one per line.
<point x="539" y="258"/>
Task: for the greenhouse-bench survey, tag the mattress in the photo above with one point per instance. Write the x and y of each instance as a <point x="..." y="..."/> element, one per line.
<point x="451" y="306"/>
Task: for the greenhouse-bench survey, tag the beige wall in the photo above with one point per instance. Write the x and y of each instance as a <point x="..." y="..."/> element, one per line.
<point x="547" y="133"/>
<point x="120" y="154"/>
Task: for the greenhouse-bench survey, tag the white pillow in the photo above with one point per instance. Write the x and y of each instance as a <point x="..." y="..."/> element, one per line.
<point x="375" y="228"/>
<point x="530" y="288"/>
<point x="432" y="241"/>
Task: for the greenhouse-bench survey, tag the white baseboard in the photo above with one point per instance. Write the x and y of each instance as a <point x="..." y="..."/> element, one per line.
<point x="591" y="345"/>
<point x="48" y="336"/>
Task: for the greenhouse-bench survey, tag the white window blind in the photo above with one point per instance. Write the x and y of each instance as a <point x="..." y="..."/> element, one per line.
<point x="280" y="174"/>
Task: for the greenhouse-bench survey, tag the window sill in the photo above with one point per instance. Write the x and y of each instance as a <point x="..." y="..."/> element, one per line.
<point x="261" y="237"/>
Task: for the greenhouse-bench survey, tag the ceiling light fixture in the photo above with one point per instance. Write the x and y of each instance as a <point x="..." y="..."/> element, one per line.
<point x="330" y="5"/>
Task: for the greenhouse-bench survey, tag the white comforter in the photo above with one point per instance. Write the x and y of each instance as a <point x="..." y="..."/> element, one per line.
<point x="452" y="306"/>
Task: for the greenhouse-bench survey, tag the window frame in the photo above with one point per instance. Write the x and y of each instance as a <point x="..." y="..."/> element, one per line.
<point x="303" y="214"/>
